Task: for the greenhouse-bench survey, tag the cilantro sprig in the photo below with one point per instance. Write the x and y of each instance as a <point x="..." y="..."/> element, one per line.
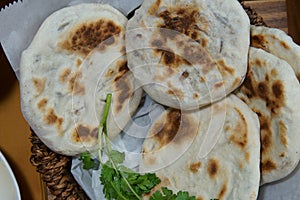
<point x="88" y="162"/>
<point x="120" y="182"/>
<point x="168" y="194"/>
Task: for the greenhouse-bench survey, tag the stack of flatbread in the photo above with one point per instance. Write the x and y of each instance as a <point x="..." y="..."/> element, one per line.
<point x="231" y="118"/>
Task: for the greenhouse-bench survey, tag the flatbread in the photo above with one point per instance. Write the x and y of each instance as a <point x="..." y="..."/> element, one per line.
<point x="278" y="43"/>
<point x="75" y="59"/>
<point x="271" y="89"/>
<point x="188" y="54"/>
<point x="229" y="171"/>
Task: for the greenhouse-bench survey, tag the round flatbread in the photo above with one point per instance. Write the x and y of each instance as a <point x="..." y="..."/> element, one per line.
<point x="278" y="43"/>
<point x="75" y="59"/>
<point x="271" y="89"/>
<point x="229" y="171"/>
<point x="188" y="54"/>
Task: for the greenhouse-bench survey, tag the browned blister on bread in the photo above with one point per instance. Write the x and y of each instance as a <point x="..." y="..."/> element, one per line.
<point x="85" y="37"/>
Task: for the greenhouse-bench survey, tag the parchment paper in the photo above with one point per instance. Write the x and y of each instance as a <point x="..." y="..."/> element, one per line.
<point x="19" y="23"/>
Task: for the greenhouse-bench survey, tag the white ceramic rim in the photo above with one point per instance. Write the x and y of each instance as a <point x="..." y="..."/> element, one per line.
<point x="12" y="176"/>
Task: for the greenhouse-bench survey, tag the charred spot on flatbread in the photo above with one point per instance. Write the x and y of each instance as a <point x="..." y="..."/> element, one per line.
<point x="260" y="41"/>
<point x="42" y="104"/>
<point x="122" y="69"/>
<point x="122" y="85"/>
<point x="64" y="75"/>
<point x="176" y="129"/>
<point x="182" y="19"/>
<point x="285" y="45"/>
<point x="154" y="7"/>
<point x="239" y="134"/>
<point x="51" y="118"/>
<point x="213" y="168"/>
<point x="267" y="166"/>
<point x="194" y="167"/>
<point x="194" y="54"/>
<point x="265" y="133"/>
<point x="170" y="59"/>
<point x="84" y="133"/>
<point x="164" y="133"/>
<point x="224" y="69"/>
<point x="270" y="90"/>
<point x="78" y="62"/>
<point x="75" y="86"/>
<point x="174" y="91"/>
<point x="223" y="191"/>
<point x="85" y="37"/>
<point x="39" y="85"/>
<point x="283" y="133"/>
<point x="177" y="20"/>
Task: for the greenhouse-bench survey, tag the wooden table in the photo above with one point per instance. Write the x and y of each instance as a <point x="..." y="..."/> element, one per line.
<point x="273" y="12"/>
<point x="14" y="131"/>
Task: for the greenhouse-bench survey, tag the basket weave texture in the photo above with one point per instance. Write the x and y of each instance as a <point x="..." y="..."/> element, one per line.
<point x="55" y="169"/>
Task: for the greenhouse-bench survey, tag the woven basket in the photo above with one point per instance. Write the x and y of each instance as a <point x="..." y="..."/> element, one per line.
<point x="55" y="169"/>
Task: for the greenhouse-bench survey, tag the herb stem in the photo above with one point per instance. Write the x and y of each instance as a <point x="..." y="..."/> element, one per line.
<point x="103" y="137"/>
<point x="128" y="184"/>
<point x="119" y="193"/>
<point x="102" y="126"/>
<point x="109" y="155"/>
<point x="106" y="110"/>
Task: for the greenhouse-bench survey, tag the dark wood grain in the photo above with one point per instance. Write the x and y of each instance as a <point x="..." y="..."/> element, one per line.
<point x="3" y="3"/>
<point x="273" y="12"/>
<point x="293" y="8"/>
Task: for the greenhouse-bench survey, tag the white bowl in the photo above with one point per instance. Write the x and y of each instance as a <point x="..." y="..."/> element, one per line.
<point x="9" y="189"/>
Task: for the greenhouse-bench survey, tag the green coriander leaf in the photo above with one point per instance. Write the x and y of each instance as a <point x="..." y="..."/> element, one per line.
<point x="166" y="191"/>
<point x="167" y="194"/>
<point x="182" y="196"/>
<point x="88" y="162"/>
<point x="107" y="174"/>
<point x="157" y="196"/>
<point x="117" y="157"/>
<point x="147" y="181"/>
